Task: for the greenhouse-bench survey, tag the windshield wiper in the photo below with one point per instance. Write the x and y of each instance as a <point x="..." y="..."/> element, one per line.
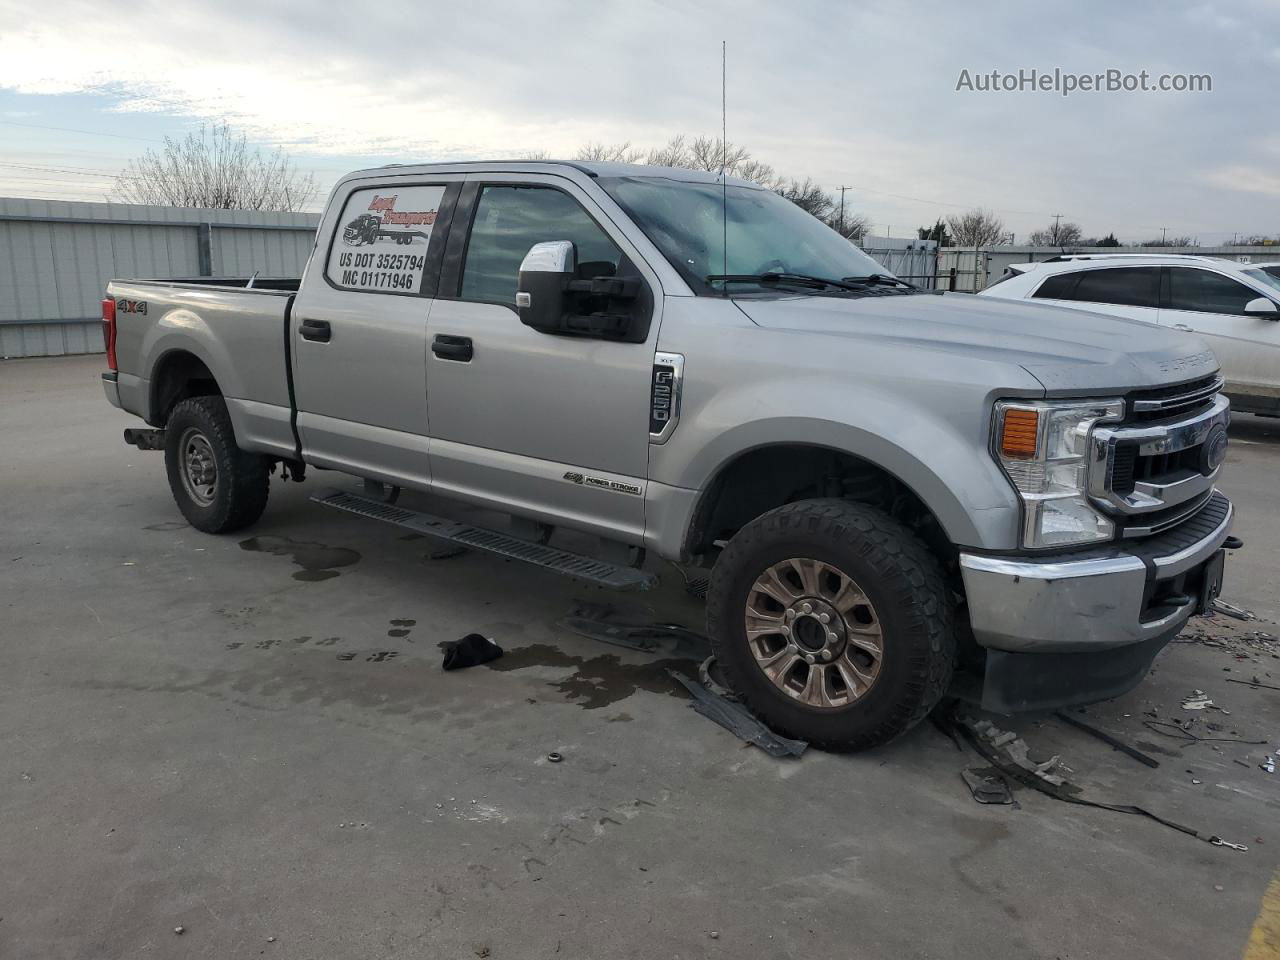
<point x="880" y="278"/>
<point x="794" y="279"/>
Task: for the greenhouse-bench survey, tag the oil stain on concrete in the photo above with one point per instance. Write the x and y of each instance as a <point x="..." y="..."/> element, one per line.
<point x="318" y="561"/>
<point x="601" y="680"/>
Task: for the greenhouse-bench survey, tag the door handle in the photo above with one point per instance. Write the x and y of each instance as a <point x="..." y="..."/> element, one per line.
<point x="1183" y="326"/>
<point x="317" y="331"/>
<point x="452" y="348"/>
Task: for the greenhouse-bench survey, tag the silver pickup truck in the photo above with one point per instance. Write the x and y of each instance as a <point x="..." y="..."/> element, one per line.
<point x="887" y="485"/>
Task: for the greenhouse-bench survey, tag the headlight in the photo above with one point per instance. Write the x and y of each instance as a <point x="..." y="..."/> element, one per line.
<point x="1043" y="448"/>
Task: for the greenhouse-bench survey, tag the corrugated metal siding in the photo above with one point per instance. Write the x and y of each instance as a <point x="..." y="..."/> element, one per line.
<point x="55" y="261"/>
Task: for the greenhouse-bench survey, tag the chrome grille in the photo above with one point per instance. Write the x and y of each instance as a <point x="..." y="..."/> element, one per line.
<point x="1153" y="472"/>
<point x="1166" y="401"/>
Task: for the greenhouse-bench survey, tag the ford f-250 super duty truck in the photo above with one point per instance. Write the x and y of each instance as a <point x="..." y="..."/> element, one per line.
<point x="886" y="484"/>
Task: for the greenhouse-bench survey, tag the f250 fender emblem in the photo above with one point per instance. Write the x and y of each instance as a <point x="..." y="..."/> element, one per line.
<point x="665" y="389"/>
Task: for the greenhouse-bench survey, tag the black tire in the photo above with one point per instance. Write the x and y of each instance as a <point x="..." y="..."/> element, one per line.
<point x="238" y="494"/>
<point x="910" y="601"/>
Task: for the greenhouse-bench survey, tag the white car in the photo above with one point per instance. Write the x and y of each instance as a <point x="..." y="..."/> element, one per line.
<point x="1233" y="306"/>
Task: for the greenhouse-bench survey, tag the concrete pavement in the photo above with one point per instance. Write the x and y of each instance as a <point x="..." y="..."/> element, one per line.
<point x="192" y="734"/>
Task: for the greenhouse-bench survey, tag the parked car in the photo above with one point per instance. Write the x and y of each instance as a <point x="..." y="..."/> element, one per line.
<point x="1233" y="306"/>
<point x="882" y="482"/>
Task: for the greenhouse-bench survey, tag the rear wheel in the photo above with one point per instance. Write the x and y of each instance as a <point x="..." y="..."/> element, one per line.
<point x="217" y="486"/>
<point x="833" y="622"/>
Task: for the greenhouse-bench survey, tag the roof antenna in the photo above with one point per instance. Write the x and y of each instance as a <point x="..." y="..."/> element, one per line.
<point x="724" y="148"/>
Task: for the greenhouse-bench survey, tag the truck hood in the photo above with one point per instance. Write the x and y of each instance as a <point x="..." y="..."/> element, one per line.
<point x="1066" y="350"/>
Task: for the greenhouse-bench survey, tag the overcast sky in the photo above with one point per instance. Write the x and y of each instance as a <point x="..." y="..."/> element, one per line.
<point x="854" y="94"/>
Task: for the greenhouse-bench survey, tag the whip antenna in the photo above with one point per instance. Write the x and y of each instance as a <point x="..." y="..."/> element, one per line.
<point x="724" y="148"/>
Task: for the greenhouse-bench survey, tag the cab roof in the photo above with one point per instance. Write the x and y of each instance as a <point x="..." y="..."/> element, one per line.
<point x="591" y="168"/>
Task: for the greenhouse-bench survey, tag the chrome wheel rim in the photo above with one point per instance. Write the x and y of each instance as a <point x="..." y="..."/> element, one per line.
<point x="814" y="633"/>
<point x="199" y="467"/>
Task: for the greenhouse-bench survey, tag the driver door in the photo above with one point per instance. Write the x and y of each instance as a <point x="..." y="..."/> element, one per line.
<point x="550" y="426"/>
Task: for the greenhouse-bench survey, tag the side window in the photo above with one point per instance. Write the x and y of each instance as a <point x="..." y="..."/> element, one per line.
<point x="1206" y="292"/>
<point x="1125" y="286"/>
<point x="511" y="219"/>
<point x="382" y="239"/>
<point x="1058" y="288"/>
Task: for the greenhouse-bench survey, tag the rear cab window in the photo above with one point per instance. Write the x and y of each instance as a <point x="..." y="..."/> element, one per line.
<point x="383" y="239"/>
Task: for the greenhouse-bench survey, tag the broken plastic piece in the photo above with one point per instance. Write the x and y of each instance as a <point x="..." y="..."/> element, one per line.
<point x="735" y="718"/>
<point x="987" y="785"/>
<point x="1108" y="739"/>
<point x="1231" y="610"/>
<point x="1197" y="701"/>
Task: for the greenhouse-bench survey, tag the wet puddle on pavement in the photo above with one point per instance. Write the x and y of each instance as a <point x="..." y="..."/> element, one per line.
<point x="318" y="561"/>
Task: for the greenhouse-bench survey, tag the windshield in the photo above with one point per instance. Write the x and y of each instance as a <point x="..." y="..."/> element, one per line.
<point x="1265" y="277"/>
<point x="767" y="233"/>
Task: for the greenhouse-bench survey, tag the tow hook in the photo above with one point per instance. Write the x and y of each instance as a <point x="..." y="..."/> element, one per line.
<point x="1232" y="543"/>
<point x="145" y="439"/>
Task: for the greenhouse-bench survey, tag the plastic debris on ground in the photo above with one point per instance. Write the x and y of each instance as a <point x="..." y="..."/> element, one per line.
<point x="1108" y="739"/>
<point x="1012" y="758"/>
<point x="735" y="718"/>
<point x="1231" y="610"/>
<point x="631" y="629"/>
<point x="1197" y="701"/>
<point x="987" y="785"/>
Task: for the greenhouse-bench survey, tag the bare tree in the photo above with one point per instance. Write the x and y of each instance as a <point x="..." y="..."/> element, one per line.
<point x="1058" y="234"/>
<point x="976" y="228"/>
<point x="855" y="227"/>
<point x="215" y="169"/>
<point x="808" y="196"/>
<point x="711" y="153"/>
<point x="609" y="152"/>
<point x="1170" y="242"/>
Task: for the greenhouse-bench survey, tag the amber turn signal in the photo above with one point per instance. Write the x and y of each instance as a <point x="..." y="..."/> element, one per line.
<point x="1019" y="434"/>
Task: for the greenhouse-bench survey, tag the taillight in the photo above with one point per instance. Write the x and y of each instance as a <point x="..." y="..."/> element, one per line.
<point x="109" y="330"/>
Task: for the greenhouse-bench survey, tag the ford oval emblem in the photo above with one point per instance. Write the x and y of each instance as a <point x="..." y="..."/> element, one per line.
<point x="1214" y="450"/>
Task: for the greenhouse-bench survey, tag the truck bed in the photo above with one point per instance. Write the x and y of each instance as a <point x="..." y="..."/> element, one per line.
<point x="238" y="333"/>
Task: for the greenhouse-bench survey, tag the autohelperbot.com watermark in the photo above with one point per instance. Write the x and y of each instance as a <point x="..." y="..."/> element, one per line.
<point x="1065" y="83"/>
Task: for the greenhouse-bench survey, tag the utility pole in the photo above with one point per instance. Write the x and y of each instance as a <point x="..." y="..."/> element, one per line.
<point x="842" y="190"/>
<point x="1057" y="218"/>
<point x="1164" y="233"/>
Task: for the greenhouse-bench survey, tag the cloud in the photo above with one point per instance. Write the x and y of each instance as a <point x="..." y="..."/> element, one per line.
<point x="1246" y="180"/>
<point x="847" y="94"/>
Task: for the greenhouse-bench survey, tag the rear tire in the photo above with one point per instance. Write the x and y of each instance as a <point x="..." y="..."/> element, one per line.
<point x="218" y="487"/>
<point x="882" y="657"/>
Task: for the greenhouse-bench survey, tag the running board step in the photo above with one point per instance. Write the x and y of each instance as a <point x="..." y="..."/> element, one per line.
<point x="600" y="572"/>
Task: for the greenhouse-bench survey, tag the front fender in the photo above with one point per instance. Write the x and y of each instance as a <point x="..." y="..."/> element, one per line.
<point x="947" y="467"/>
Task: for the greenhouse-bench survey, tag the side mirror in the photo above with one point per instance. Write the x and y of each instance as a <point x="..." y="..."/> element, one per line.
<point x="552" y="298"/>
<point x="545" y="273"/>
<point x="1262" y="308"/>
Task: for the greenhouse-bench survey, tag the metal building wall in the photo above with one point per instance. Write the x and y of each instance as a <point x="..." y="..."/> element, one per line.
<point x="56" y="258"/>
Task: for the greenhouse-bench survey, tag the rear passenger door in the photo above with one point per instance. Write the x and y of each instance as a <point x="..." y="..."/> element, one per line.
<point x="359" y="328"/>
<point x="1132" y="292"/>
<point x="1212" y="304"/>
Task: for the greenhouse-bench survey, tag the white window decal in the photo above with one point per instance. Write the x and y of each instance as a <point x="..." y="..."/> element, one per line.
<point x="382" y="239"/>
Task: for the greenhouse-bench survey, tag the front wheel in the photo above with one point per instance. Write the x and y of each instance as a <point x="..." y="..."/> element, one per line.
<point x="833" y="622"/>
<point x="217" y="486"/>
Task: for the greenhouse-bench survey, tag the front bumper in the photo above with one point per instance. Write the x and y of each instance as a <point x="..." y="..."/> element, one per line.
<point x="1075" y="628"/>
